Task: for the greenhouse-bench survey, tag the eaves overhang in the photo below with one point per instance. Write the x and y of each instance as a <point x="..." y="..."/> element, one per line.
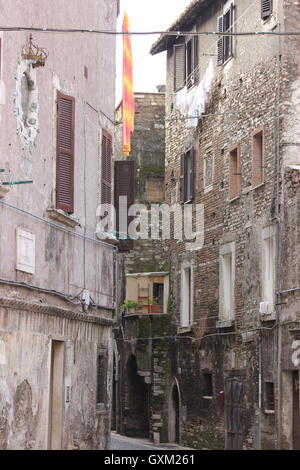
<point x="184" y="23"/>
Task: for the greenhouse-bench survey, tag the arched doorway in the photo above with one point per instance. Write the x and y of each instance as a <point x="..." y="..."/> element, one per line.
<point x="174" y="413"/>
<point x="136" y="402"/>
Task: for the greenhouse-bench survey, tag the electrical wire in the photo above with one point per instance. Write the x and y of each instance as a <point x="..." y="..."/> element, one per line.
<point x="144" y="33"/>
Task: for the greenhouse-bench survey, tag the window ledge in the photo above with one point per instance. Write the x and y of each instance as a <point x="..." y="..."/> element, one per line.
<point x="4" y="190"/>
<point x="269" y="412"/>
<point x="61" y="216"/>
<point x="184" y="329"/>
<point x="208" y="189"/>
<point x="267" y="316"/>
<point x="207" y="397"/>
<point x="253" y="188"/>
<point x="225" y="323"/>
<point x="101" y="409"/>
<point x="236" y="198"/>
<point x="107" y="237"/>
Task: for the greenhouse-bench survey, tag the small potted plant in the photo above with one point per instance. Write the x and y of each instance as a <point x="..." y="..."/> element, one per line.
<point x="154" y="305"/>
<point x="129" y="306"/>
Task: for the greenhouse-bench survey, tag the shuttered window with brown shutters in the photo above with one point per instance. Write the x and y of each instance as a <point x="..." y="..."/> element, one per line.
<point x="65" y="153"/>
<point x="258" y="157"/>
<point x="266" y="9"/>
<point x="234" y="172"/>
<point x="124" y="186"/>
<point x="106" y="168"/>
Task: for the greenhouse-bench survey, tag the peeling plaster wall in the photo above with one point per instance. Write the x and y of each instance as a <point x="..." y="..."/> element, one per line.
<point x="64" y="262"/>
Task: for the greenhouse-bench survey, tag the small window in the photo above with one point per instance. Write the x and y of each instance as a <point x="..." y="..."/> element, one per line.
<point x="207" y="385"/>
<point x="186" y="317"/>
<point x="269" y="396"/>
<point x="186" y="63"/>
<point x="101" y="392"/>
<point x="208" y="171"/>
<point x="234" y="173"/>
<point x="225" y="43"/>
<point x="268" y="267"/>
<point x="227" y="282"/>
<point x="187" y="176"/>
<point x="257" y="158"/>
<point x="158" y="295"/>
<point x="266" y="9"/>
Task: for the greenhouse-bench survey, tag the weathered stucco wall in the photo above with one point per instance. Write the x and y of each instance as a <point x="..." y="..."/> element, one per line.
<point x="68" y="257"/>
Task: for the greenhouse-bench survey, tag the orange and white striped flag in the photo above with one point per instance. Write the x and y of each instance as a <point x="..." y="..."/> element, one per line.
<point x="128" y="94"/>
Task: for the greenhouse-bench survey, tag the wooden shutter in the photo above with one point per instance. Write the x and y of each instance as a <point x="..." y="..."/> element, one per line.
<point x="106" y="162"/>
<point x="266" y="8"/>
<point x="220" y="45"/>
<point x="196" y="58"/>
<point x="179" y="66"/>
<point x="232" y="7"/>
<point x="182" y="179"/>
<point x="124" y="186"/>
<point x="65" y="153"/>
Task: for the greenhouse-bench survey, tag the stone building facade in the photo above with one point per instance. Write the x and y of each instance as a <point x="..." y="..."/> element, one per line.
<point x="231" y="145"/>
<point x="56" y="277"/>
<point x="142" y="347"/>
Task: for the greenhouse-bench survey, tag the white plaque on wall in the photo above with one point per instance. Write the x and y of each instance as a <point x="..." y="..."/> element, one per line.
<point x="25" y="251"/>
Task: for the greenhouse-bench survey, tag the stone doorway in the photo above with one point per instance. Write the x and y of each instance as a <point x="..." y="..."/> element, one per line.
<point x="136" y="402"/>
<point x="174" y="414"/>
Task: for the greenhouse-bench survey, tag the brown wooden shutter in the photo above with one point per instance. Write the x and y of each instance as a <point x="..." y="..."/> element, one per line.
<point x="232" y="9"/>
<point x="196" y="59"/>
<point x="179" y="66"/>
<point x="182" y="179"/>
<point x="124" y="186"/>
<point x="266" y="8"/>
<point x="220" y="44"/>
<point x="65" y="153"/>
<point x="106" y="163"/>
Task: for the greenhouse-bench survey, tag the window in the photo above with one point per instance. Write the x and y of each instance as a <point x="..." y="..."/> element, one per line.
<point x="266" y="9"/>
<point x="186" y="63"/>
<point x="227" y="282"/>
<point x="268" y="268"/>
<point x="186" y="317"/>
<point x="234" y="173"/>
<point x="124" y="198"/>
<point x="208" y="172"/>
<point x="269" y="396"/>
<point x="225" y="25"/>
<point x="106" y="173"/>
<point x="65" y="153"/>
<point x="257" y="157"/>
<point x="207" y="385"/>
<point x="158" y="295"/>
<point x="187" y="176"/>
<point x="101" y="390"/>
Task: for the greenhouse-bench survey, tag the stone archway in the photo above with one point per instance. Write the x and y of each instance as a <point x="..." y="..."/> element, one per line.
<point x="136" y="402"/>
<point x="174" y="413"/>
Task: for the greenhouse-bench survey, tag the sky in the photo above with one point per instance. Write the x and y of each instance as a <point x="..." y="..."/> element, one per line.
<point x="144" y="15"/>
